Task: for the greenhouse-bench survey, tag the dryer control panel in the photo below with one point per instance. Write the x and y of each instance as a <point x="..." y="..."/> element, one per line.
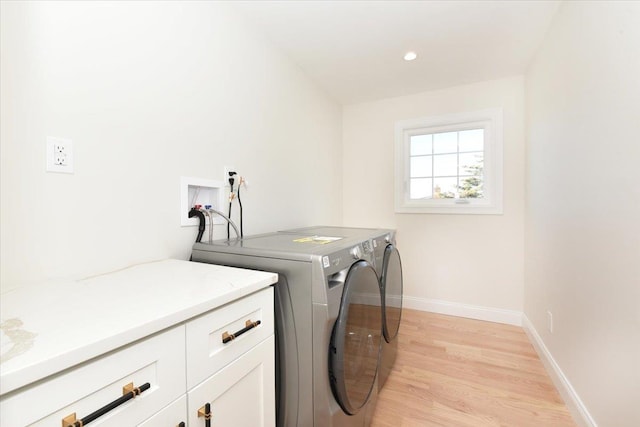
<point x="345" y="257"/>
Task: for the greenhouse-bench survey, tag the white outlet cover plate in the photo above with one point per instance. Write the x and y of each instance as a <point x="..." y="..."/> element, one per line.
<point x="52" y="141"/>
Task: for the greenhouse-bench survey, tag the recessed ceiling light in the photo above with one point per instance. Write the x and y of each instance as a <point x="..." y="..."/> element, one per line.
<point x="410" y="56"/>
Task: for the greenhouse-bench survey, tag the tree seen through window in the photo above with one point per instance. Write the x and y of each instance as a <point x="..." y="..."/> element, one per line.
<point x="447" y="165"/>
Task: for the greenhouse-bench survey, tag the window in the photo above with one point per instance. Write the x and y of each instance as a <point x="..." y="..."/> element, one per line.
<point x="450" y="164"/>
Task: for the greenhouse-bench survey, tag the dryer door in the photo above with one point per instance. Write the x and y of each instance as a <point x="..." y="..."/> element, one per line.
<point x="356" y="340"/>
<point x="391" y="282"/>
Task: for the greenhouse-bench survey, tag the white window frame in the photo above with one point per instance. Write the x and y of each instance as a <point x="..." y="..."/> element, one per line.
<point x="491" y="121"/>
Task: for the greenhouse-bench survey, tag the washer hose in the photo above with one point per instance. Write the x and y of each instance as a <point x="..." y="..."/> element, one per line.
<point x="229" y="222"/>
<point x="195" y="212"/>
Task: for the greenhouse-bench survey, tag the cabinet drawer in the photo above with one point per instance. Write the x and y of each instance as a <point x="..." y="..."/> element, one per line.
<point x="158" y="360"/>
<point x="242" y="394"/>
<point x="171" y="416"/>
<point x="206" y="352"/>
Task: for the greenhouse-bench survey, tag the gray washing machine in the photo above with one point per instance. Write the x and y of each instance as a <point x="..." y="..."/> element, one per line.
<point x="328" y="309"/>
<point x="388" y="266"/>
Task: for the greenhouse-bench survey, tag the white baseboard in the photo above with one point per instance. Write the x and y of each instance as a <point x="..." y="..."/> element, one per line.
<point x="510" y="317"/>
<point x="566" y="390"/>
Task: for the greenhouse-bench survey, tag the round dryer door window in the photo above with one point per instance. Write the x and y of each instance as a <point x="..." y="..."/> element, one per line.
<point x="391" y="282"/>
<point x="356" y="340"/>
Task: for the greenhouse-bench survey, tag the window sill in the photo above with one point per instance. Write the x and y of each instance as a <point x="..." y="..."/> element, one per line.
<point x="451" y="209"/>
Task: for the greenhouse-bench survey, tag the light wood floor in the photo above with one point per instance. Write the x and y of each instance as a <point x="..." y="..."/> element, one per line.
<point x="458" y="372"/>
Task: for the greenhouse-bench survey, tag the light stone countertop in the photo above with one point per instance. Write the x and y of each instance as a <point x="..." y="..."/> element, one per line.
<point x="49" y="328"/>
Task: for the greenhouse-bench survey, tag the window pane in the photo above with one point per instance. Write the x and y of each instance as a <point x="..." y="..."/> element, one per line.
<point x="471" y="163"/>
<point x="445" y="165"/>
<point x="420" y="188"/>
<point x="445" y="188"/>
<point x="471" y="140"/>
<point x="421" y="145"/>
<point x="445" y="142"/>
<point x="471" y="187"/>
<point x="420" y="166"/>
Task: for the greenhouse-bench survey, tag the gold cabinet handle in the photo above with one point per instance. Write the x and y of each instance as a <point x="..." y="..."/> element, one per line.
<point x="128" y="393"/>
<point x="227" y="337"/>
<point x="205" y="412"/>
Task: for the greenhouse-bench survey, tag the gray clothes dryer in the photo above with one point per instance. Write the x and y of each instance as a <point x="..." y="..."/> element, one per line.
<point x="388" y="265"/>
<point x="389" y="268"/>
<point x="328" y="310"/>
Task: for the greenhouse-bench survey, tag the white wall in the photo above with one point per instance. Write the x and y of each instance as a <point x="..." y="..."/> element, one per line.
<point x="464" y="259"/>
<point x="149" y="92"/>
<point x="583" y="203"/>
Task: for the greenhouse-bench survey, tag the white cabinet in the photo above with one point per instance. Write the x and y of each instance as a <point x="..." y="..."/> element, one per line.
<point x="186" y="366"/>
<point x="207" y="352"/>
<point x="242" y="394"/>
<point x="158" y="360"/>
<point x="171" y="416"/>
<point x="231" y="364"/>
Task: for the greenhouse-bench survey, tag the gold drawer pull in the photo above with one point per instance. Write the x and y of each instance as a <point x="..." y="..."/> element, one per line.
<point x="128" y="393"/>
<point x="70" y="421"/>
<point x="205" y="412"/>
<point x="227" y="337"/>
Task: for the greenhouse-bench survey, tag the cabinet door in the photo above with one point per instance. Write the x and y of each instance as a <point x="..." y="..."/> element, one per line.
<point x="242" y="394"/>
<point x="171" y="416"/>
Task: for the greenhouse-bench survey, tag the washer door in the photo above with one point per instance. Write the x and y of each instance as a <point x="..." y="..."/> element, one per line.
<point x="391" y="282"/>
<point x="354" y="352"/>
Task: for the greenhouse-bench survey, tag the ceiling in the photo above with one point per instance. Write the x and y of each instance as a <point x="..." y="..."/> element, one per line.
<point x="355" y="49"/>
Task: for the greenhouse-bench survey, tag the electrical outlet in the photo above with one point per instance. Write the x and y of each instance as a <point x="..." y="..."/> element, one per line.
<point x="550" y="321"/>
<point x="228" y="169"/>
<point x="59" y="155"/>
